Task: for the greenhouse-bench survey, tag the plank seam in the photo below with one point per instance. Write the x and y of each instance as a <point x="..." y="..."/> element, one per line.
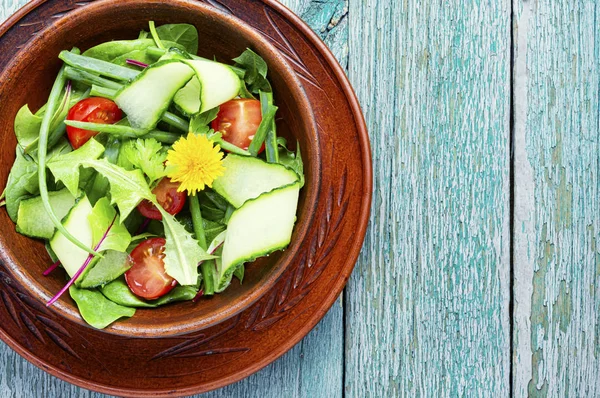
<point x="511" y="211"/>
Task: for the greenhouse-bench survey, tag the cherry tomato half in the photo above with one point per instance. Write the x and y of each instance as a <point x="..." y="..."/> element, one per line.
<point x="147" y="277"/>
<point x="167" y="196"/>
<point x="238" y="121"/>
<point x="92" y="110"/>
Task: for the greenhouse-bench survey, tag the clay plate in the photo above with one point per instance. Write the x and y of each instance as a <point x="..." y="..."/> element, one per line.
<point x="261" y="319"/>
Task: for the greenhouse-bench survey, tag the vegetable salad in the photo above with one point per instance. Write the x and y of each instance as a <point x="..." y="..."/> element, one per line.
<point x="153" y="174"/>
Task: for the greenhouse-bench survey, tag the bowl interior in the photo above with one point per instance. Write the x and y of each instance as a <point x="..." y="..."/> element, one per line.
<point x="28" y="79"/>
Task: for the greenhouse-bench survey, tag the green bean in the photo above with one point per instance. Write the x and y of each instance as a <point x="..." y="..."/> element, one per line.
<point x="94" y="65"/>
<point x="265" y="124"/>
<point x="55" y="94"/>
<point x="207" y="267"/>
<point x="90" y="79"/>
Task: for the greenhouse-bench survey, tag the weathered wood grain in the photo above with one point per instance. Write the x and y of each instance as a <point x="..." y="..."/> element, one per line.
<point x="427" y="305"/>
<point x="311" y="369"/>
<point x="557" y="225"/>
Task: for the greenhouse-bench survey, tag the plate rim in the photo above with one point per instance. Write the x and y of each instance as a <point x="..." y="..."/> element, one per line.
<point x="343" y="82"/>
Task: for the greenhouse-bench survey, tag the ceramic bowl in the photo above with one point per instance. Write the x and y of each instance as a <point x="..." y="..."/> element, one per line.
<point x="27" y="80"/>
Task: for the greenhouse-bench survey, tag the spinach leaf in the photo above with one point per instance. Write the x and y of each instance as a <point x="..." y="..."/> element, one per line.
<point x="22" y="183"/>
<point x="256" y="71"/>
<point x="106" y="270"/>
<point x="118" y="51"/>
<point x="27" y="126"/>
<point x="212" y="229"/>
<point x="183" y="34"/>
<point x="239" y="272"/>
<point x="97" y="310"/>
<point x="101" y="218"/>
<point x="118" y="292"/>
<point x="292" y="161"/>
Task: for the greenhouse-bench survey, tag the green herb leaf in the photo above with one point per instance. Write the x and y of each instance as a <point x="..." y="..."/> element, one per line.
<point x="65" y="168"/>
<point x="97" y="310"/>
<point x="199" y="124"/>
<point x="102" y="217"/>
<point x="256" y="71"/>
<point x="147" y="155"/>
<point x="182" y="252"/>
<point x="106" y="270"/>
<point x="118" y="292"/>
<point x="127" y="188"/>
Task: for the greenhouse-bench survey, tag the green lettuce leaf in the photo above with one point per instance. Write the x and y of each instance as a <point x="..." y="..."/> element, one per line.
<point x="147" y="155"/>
<point x="27" y="126"/>
<point x="97" y="310"/>
<point x="292" y="161"/>
<point x="102" y="217"/>
<point x="65" y="168"/>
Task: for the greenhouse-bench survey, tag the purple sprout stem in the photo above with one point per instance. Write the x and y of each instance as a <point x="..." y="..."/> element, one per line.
<point x="51" y="268"/>
<point x="197" y="297"/>
<point x="212" y="252"/>
<point x="82" y="268"/>
<point x="143" y="226"/>
<point x="136" y="63"/>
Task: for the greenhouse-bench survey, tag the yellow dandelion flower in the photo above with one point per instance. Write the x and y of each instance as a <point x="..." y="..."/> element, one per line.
<point x="194" y="162"/>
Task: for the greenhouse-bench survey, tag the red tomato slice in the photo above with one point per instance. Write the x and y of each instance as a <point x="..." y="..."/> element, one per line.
<point x="92" y="110"/>
<point x="238" y="121"/>
<point x="147" y="277"/>
<point x="167" y="196"/>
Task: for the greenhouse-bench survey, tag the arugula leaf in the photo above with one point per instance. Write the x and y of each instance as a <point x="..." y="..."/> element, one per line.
<point x="183" y="34"/>
<point x="118" y="292"/>
<point x="182" y="252"/>
<point x="97" y="310"/>
<point x="147" y="155"/>
<point x="292" y="161"/>
<point x="256" y="71"/>
<point x="106" y="270"/>
<point x="101" y="218"/>
<point x="199" y="124"/>
<point x="65" y="168"/>
<point x="127" y="188"/>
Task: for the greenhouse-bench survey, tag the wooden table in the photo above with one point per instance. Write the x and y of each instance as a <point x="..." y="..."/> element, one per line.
<point x="480" y="273"/>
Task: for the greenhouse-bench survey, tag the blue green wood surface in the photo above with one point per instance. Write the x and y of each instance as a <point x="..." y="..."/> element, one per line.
<point x="443" y="302"/>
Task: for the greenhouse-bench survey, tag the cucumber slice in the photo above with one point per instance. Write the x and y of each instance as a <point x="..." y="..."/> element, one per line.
<point x="76" y="222"/>
<point x="258" y="228"/>
<point x="32" y="218"/>
<point x="147" y="98"/>
<point x="215" y="84"/>
<point x="247" y="178"/>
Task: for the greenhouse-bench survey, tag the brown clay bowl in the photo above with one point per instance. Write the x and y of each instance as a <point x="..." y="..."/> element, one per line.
<point x="190" y="348"/>
<point x="28" y="79"/>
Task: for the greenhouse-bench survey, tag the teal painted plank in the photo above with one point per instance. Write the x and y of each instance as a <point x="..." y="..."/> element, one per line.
<point x="557" y="337"/>
<point x="313" y="368"/>
<point x="427" y="306"/>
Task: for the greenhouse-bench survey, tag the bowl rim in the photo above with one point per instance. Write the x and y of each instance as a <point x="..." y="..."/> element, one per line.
<point x="239" y="304"/>
<point x="336" y="286"/>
